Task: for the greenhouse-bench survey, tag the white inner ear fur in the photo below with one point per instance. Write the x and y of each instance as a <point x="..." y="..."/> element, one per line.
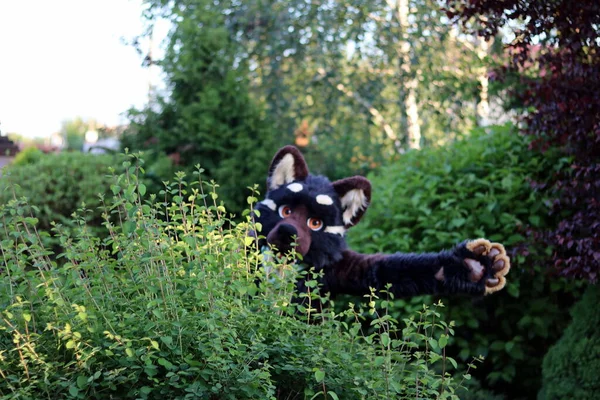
<point x="324" y="199"/>
<point x="352" y="202"/>
<point x="269" y="203"/>
<point x="283" y="173"/>
<point x="336" y="230"/>
<point x="295" y="187"/>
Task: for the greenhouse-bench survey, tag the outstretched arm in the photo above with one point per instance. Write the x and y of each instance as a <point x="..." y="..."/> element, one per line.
<point x="474" y="267"/>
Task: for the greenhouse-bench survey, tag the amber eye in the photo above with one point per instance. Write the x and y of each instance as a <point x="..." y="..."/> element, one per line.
<point x="285" y="211"/>
<point x="314" y="223"/>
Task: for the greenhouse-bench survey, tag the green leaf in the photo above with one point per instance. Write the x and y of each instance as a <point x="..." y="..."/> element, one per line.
<point x="165" y="363"/>
<point x="73" y="391"/>
<point x="82" y="381"/>
<point x="443" y="341"/>
<point x="168" y="340"/>
<point x="385" y="339"/>
<point x="452" y="361"/>
<point x="319" y="375"/>
<point x="142" y="189"/>
<point x="433" y="343"/>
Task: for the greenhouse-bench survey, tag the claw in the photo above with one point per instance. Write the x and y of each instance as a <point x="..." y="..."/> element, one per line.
<point x="479" y="250"/>
<point x="498" y="265"/>
<point x="492" y="282"/>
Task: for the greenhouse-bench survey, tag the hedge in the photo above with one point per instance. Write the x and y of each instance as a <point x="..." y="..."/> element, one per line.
<point x="480" y="186"/>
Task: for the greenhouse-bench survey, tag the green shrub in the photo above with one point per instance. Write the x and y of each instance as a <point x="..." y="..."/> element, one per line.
<point x="478" y="187"/>
<point x="56" y="185"/>
<point x="30" y="155"/>
<point x="571" y="366"/>
<point x="167" y="306"/>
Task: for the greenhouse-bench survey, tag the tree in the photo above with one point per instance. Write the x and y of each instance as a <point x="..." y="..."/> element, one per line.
<point x="367" y="78"/>
<point x="556" y="57"/>
<point x="73" y="132"/>
<point x="207" y="116"/>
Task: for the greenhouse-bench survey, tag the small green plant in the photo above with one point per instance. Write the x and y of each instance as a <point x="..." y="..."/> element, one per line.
<point x="174" y="302"/>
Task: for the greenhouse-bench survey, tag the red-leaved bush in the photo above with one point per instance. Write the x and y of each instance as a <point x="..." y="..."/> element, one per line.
<point x="556" y="53"/>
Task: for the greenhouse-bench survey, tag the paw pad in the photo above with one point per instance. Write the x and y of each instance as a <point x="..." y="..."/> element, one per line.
<point x="500" y="263"/>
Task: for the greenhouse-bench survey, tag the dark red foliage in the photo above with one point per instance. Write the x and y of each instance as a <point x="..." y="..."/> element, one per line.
<point x="556" y="53"/>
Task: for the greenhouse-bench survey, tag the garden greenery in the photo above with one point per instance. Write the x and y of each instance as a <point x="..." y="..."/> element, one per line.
<point x="56" y="185"/>
<point x="174" y="302"/>
<point x="480" y="186"/>
<point x="570" y="369"/>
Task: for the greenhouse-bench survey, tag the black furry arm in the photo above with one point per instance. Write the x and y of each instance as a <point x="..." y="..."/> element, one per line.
<point x="471" y="267"/>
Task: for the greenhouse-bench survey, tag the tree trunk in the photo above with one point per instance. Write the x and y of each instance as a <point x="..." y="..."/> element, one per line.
<point x="408" y="79"/>
<point x="483" y="105"/>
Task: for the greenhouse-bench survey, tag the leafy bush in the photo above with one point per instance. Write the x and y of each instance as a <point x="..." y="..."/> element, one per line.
<point x="56" y="185"/>
<point x="571" y="365"/>
<point x="478" y="187"/>
<point x="167" y="305"/>
<point x="30" y="155"/>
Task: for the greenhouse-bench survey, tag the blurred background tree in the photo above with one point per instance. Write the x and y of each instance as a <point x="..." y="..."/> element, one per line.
<point x="73" y="133"/>
<point x="368" y="80"/>
<point x="207" y="116"/>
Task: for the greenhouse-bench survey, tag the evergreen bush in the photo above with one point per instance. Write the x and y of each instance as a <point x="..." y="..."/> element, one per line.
<point x="167" y="306"/>
<point x="571" y="366"/>
<point x="478" y="187"/>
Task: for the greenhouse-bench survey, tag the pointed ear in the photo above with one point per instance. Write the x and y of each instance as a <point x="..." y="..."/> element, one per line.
<point x="287" y="166"/>
<point x="355" y="196"/>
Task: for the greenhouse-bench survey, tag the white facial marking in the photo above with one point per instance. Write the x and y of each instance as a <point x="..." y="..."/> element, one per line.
<point x="283" y="173"/>
<point x="269" y="203"/>
<point x="352" y="202"/>
<point x="295" y="187"/>
<point x="324" y="199"/>
<point x="336" y="230"/>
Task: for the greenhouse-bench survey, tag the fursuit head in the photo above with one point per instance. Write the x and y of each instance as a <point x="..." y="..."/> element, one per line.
<point x="312" y="215"/>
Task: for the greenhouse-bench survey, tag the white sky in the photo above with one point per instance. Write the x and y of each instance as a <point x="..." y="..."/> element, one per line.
<point x="64" y="58"/>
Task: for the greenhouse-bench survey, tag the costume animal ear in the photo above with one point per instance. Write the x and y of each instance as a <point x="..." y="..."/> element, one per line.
<point x="355" y="195"/>
<point x="287" y="166"/>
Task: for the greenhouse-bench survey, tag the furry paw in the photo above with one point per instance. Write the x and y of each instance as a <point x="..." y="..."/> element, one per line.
<point x="489" y="262"/>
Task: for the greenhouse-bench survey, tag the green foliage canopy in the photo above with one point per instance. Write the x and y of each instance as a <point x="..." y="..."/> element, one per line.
<point x="207" y="116"/>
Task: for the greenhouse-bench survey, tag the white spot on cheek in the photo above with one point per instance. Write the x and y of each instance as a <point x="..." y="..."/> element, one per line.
<point x="324" y="199"/>
<point x="295" y="187"/>
<point x="269" y="203"/>
<point x="336" y="230"/>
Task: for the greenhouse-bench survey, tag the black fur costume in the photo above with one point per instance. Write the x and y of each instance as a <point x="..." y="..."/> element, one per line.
<point x="314" y="213"/>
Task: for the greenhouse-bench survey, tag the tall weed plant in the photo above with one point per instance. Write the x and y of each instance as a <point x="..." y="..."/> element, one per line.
<point x="175" y="302"/>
